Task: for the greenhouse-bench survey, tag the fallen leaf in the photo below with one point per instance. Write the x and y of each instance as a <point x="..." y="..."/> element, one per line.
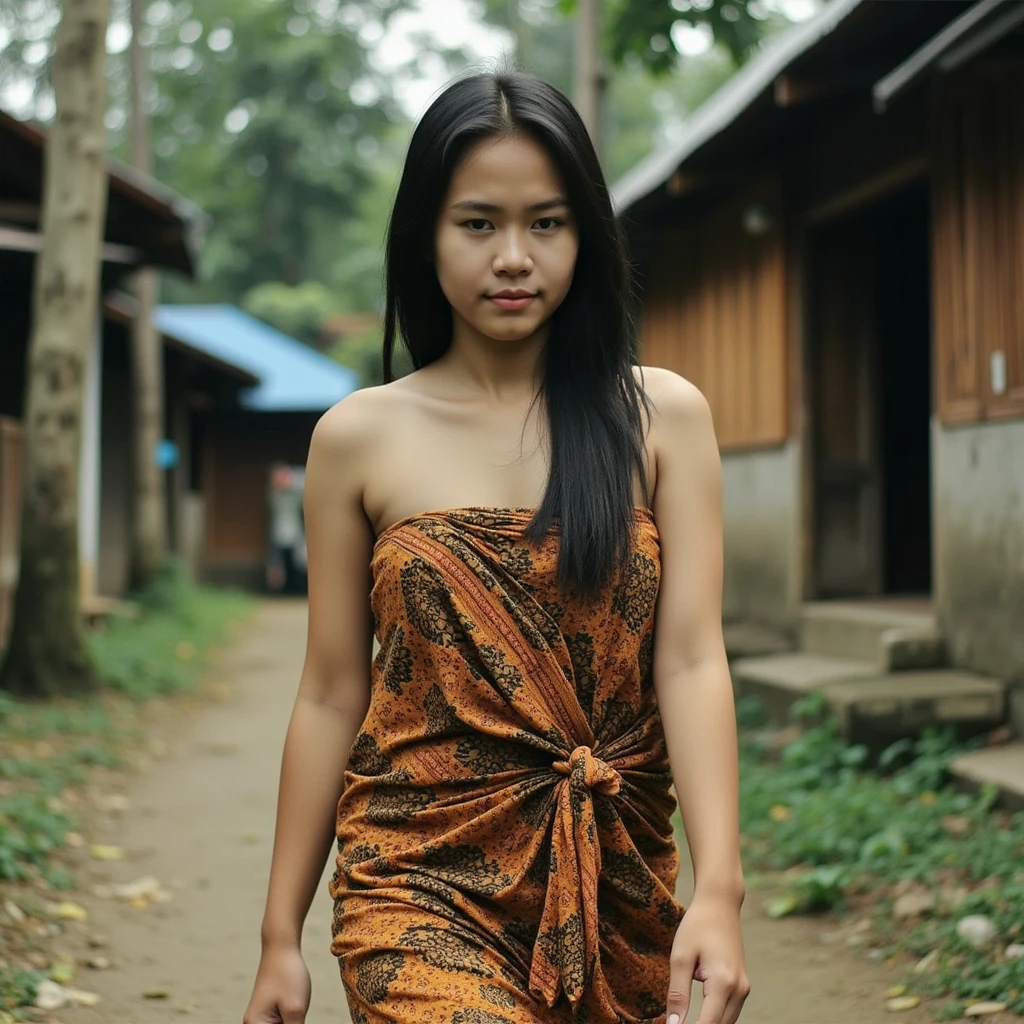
<point x="902" y="1003"/>
<point x="782" y="906"/>
<point x="99" y="963"/>
<point x="72" y="912"/>
<point x="100" y="852"/>
<point x="63" y="971"/>
<point x="956" y="825"/>
<point x="50" y="996"/>
<point x="927" y="962"/>
<point x="780" y="812"/>
<point x="114" y="802"/>
<point x="984" y="1009"/>
<point x="13" y="911"/>
<point x="897" y="990"/>
<point x="156" y="993"/>
<point x="74" y="839"/>
<point x="139" y="902"/>
<point x="77" y="997"/>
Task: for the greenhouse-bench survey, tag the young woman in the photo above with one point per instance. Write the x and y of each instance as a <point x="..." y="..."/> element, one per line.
<point x="509" y="518"/>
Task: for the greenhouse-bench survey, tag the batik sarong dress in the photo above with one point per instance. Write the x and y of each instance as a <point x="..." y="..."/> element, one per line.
<point x="505" y="853"/>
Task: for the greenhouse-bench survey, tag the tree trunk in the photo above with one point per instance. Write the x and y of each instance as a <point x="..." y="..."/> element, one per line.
<point x="47" y="653"/>
<point x="149" y="520"/>
<point x="590" y="79"/>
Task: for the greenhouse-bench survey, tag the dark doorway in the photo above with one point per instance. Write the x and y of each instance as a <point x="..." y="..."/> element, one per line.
<point x="870" y="380"/>
<point x="904" y="367"/>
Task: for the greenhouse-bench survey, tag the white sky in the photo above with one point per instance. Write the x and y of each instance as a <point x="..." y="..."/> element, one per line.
<point x="450" y="22"/>
<point x="457" y="23"/>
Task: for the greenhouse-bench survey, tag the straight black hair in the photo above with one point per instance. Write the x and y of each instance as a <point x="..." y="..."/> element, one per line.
<point x="595" y="404"/>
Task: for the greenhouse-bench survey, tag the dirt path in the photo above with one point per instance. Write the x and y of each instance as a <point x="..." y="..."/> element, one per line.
<point x="201" y="821"/>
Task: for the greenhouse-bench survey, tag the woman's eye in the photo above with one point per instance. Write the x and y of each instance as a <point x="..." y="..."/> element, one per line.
<point x="477" y="224"/>
<point x="548" y="223"/>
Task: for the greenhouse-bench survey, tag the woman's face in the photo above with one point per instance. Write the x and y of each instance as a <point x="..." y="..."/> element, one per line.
<point x="505" y="245"/>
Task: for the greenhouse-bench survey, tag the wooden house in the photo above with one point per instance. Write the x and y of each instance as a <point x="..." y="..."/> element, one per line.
<point x="834" y="253"/>
<point x="231" y="409"/>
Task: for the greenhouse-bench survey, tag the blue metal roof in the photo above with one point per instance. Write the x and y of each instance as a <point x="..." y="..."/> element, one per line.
<point x="293" y="377"/>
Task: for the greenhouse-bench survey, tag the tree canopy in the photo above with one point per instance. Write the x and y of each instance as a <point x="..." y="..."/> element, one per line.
<point x="276" y="118"/>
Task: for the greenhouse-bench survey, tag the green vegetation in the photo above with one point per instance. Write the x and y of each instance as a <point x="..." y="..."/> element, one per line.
<point x="48" y="748"/>
<point x="854" y="840"/>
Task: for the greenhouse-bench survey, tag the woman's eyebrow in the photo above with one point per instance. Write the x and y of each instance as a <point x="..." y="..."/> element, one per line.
<point x="478" y="206"/>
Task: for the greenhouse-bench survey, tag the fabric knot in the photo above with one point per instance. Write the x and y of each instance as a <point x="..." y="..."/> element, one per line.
<point x="592" y="771"/>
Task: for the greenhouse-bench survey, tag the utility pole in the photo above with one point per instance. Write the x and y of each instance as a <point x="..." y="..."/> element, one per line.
<point x="149" y="519"/>
<point x="590" y="78"/>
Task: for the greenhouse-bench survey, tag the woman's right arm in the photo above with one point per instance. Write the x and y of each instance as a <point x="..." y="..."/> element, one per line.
<point x="332" y="700"/>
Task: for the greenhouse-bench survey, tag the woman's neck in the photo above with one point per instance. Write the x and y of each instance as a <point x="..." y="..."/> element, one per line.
<point x="500" y="371"/>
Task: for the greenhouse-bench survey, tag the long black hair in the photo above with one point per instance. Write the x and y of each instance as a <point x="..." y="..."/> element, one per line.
<point x="596" y="406"/>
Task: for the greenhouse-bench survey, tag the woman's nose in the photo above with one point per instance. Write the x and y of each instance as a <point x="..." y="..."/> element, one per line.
<point x="512" y="256"/>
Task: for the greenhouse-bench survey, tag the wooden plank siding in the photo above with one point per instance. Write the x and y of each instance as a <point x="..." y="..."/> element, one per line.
<point x="978" y="246"/>
<point x="715" y="312"/>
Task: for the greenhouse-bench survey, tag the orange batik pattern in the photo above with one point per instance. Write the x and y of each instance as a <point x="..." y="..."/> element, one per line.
<point x="505" y="850"/>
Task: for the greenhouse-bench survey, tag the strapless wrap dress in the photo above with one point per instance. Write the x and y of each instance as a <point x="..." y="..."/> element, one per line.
<point x="505" y="851"/>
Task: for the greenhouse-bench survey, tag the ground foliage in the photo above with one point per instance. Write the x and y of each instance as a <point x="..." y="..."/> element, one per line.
<point x="51" y="753"/>
<point x="852" y="839"/>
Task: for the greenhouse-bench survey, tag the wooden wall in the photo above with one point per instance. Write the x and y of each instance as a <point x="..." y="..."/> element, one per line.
<point x="715" y="312"/>
<point x="978" y="250"/>
<point x="237" y="456"/>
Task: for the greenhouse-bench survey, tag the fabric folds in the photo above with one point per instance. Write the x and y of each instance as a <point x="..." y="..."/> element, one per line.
<point x="505" y="850"/>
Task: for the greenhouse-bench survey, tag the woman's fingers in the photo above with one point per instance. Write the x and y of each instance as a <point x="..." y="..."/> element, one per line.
<point x="723" y="1000"/>
<point x="680" y="984"/>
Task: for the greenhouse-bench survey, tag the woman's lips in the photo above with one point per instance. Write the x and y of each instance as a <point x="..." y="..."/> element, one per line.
<point x="512" y="302"/>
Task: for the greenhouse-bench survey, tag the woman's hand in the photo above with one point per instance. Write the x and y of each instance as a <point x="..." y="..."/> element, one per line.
<point x="282" y="990"/>
<point x="708" y="948"/>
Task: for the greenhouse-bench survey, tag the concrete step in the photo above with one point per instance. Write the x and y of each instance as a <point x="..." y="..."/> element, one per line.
<point x="890" y="637"/>
<point x="752" y="640"/>
<point x="1002" y="767"/>
<point x="874" y="707"/>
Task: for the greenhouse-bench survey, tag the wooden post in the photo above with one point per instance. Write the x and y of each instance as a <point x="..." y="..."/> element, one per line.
<point x="47" y="653"/>
<point x="149" y="513"/>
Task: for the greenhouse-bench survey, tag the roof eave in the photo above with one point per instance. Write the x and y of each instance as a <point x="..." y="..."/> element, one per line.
<point x="728" y="103"/>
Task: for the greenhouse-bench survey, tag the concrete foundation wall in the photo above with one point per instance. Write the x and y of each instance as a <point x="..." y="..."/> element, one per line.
<point x="978" y="501"/>
<point x="761" y="519"/>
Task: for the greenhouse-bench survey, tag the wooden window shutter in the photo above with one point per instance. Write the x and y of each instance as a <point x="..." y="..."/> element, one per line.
<point x="978" y="249"/>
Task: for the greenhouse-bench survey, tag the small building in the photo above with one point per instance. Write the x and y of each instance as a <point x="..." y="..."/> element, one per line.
<point x="238" y="395"/>
<point x="146" y="225"/>
<point x="834" y="254"/>
<point x="234" y="445"/>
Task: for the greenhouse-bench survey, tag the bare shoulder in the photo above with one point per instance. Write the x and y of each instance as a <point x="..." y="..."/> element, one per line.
<point x="353" y="421"/>
<point x="675" y="402"/>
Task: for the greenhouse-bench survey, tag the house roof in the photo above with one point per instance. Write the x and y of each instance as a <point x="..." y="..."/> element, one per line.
<point x="121" y="309"/>
<point x="806" y="74"/>
<point x="728" y="102"/>
<point x="146" y="222"/>
<point x="293" y="377"/>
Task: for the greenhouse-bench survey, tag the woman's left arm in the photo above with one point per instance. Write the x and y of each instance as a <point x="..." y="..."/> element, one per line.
<point x="695" y="697"/>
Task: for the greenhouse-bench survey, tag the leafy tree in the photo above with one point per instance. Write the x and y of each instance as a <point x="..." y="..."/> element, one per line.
<point x="266" y="115"/>
<point x="635" y="28"/>
<point x="645" y="29"/>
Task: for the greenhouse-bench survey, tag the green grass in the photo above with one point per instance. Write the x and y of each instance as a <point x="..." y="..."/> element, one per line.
<point x="847" y="837"/>
<point x="45" y="748"/>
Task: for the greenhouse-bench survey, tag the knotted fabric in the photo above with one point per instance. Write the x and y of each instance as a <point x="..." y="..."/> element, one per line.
<point x="570" y="908"/>
<point x="505" y="846"/>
